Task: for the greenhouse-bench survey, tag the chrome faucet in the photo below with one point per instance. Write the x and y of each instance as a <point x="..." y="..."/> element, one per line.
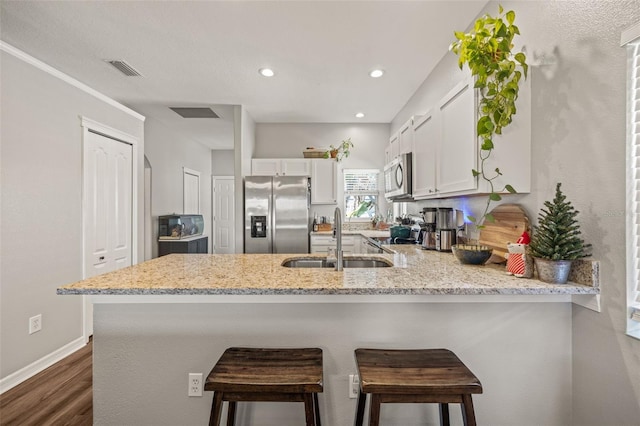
<point x="337" y="234"/>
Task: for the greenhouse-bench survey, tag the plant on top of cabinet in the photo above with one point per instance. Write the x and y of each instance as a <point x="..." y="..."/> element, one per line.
<point x="487" y="50"/>
<point x="556" y="240"/>
<point x="341" y="151"/>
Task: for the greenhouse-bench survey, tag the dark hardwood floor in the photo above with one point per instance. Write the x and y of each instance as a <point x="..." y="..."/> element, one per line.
<point x="60" y="395"/>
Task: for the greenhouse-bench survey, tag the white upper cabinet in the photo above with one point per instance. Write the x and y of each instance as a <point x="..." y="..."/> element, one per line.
<point x="457" y="154"/>
<point x="295" y="167"/>
<point x="394" y="144"/>
<point x="405" y="137"/>
<point x="446" y="148"/>
<point x="280" y="167"/>
<point x="324" y="181"/>
<point x="426" y="136"/>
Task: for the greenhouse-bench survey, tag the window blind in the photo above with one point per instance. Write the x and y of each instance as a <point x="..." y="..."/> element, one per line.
<point x="634" y="184"/>
<point x="362" y="181"/>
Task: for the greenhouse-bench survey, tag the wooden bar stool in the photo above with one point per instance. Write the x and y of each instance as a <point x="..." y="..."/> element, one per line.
<point x="259" y="374"/>
<point x="420" y="376"/>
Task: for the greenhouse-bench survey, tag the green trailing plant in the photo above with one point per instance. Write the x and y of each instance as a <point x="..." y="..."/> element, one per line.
<point x="487" y="51"/>
<point x="341" y="151"/>
<point x="557" y="236"/>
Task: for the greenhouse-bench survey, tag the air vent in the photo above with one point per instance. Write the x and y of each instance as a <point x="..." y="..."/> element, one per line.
<point x="125" y="68"/>
<point x="195" y="112"/>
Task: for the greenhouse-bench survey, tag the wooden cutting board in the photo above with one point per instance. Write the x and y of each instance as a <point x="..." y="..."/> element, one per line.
<point x="510" y="222"/>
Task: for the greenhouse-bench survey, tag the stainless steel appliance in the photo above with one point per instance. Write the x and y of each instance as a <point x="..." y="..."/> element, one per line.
<point x="397" y="178"/>
<point x="447" y="223"/>
<point x="276" y="214"/>
<point x="429" y="233"/>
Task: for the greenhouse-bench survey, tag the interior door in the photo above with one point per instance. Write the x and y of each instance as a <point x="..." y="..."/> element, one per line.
<point x="223" y="215"/>
<point x="107" y="192"/>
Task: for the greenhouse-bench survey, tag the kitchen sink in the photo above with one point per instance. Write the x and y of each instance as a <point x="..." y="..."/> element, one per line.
<point x="321" y="262"/>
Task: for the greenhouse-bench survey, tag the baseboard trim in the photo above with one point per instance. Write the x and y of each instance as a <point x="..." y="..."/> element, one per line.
<point x="14" y="379"/>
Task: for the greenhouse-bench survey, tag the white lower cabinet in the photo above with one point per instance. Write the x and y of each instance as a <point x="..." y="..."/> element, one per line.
<point x="320" y="243"/>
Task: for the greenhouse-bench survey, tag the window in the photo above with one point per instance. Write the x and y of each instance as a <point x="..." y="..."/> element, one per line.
<point x="631" y="38"/>
<point x="360" y="194"/>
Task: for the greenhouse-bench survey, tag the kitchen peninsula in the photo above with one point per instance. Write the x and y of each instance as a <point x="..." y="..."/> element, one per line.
<point x="159" y="320"/>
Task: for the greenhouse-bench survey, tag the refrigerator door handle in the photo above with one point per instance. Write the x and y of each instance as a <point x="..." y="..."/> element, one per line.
<point x="273" y="223"/>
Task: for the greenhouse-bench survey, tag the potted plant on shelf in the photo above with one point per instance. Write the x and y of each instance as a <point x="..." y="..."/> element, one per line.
<point x="341" y="151"/>
<point x="556" y="241"/>
<point x="497" y="69"/>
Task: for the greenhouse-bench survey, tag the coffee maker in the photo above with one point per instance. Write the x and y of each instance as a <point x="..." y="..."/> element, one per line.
<point x="446" y="227"/>
<point x="429" y="231"/>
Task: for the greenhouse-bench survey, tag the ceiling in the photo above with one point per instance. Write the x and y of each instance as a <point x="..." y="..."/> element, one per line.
<point x="207" y="54"/>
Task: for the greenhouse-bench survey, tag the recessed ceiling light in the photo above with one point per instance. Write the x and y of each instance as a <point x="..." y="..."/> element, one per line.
<point x="376" y="73"/>
<point x="360" y="115"/>
<point x="266" y="72"/>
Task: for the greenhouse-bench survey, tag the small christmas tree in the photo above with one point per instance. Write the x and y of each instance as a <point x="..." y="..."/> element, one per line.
<point x="557" y="235"/>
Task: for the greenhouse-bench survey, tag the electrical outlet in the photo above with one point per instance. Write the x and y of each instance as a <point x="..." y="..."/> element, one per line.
<point x="35" y="324"/>
<point x="354" y="385"/>
<point x="195" y="384"/>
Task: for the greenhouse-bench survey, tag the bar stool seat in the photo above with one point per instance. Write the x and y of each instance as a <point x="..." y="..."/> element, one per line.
<point x="414" y="376"/>
<point x="262" y="374"/>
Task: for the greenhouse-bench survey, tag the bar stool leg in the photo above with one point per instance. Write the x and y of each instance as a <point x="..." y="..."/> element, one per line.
<point x="216" y="409"/>
<point x="231" y="413"/>
<point x="308" y="410"/>
<point x="374" y="410"/>
<point x="316" y="409"/>
<point x="468" y="416"/>
<point x="444" y="415"/>
<point x="362" y="400"/>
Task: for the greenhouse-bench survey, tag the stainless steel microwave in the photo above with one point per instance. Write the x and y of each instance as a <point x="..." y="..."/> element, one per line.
<point x="397" y="178"/>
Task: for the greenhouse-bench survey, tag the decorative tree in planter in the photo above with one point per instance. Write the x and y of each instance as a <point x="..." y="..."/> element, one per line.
<point x="557" y="239"/>
<point x="487" y="50"/>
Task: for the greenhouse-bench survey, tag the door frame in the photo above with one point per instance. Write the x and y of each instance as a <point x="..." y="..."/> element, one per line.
<point x="213" y="210"/>
<point x="89" y="125"/>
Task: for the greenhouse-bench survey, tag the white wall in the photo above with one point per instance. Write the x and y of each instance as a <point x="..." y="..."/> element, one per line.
<point x="578" y="138"/>
<point x="244" y="148"/>
<point x="289" y="140"/>
<point x="168" y="153"/>
<point x="222" y="162"/>
<point x="41" y="212"/>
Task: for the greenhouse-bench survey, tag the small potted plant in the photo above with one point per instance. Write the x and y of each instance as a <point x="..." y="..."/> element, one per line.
<point x="341" y="151"/>
<point x="556" y="241"/>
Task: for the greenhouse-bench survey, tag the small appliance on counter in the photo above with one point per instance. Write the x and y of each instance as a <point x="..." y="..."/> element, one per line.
<point x="428" y="239"/>
<point x="179" y="226"/>
<point x="448" y="221"/>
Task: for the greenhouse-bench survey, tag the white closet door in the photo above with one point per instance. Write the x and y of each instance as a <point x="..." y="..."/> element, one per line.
<point x="191" y="194"/>
<point x="107" y="192"/>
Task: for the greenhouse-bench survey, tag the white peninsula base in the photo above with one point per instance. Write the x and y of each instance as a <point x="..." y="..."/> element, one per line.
<point x="143" y="353"/>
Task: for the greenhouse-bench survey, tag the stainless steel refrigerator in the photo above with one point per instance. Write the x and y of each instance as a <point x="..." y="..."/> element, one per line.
<point x="276" y="214"/>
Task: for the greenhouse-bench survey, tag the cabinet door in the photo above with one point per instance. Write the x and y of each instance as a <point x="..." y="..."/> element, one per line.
<point x="295" y="167"/>
<point x="265" y="167"/>
<point x="394" y="142"/>
<point x="324" y="178"/>
<point x="457" y="152"/>
<point x="387" y="154"/>
<point x="405" y="137"/>
<point x="426" y="135"/>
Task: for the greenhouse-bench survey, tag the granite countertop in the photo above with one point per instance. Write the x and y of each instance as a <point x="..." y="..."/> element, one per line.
<point x="415" y="272"/>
